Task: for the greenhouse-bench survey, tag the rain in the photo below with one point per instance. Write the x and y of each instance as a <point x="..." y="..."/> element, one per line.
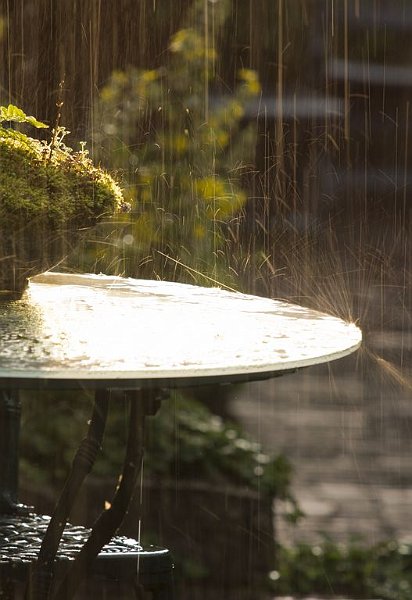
<point x="262" y="147"/>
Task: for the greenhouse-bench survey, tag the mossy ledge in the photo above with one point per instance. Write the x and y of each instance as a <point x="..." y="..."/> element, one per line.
<point x="49" y="194"/>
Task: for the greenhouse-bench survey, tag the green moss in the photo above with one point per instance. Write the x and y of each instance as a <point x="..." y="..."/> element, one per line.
<point x="49" y="194"/>
<point x="54" y="181"/>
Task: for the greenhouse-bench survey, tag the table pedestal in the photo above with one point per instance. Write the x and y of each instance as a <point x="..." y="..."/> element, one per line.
<point x="123" y="560"/>
<point x="60" y="556"/>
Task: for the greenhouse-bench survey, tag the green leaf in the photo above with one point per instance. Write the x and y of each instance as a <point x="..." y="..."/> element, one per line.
<point x="12" y="113"/>
<point x="15" y="114"/>
<point x="33" y="121"/>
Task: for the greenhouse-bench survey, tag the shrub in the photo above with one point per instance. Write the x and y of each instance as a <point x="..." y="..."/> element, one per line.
<point x="183" y="148"/>
<point x="354" y="570"/>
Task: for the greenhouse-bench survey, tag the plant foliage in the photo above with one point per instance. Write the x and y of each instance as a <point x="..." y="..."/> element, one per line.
<point x="13" y="114"/>
<point x="182" y="147"/>
<point x="49" y="180"/>
<point x="184" y="440"/>
<point x="353" y="570"/>
<point x="187" y="441"/>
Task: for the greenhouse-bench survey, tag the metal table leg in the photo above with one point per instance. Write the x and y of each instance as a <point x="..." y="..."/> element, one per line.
<point x="142" y="403"/>
<point x="83" y="462"/>
<point x="10" y="409"/>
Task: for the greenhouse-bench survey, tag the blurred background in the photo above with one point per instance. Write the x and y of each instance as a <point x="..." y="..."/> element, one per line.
<point x="264" y="146"/>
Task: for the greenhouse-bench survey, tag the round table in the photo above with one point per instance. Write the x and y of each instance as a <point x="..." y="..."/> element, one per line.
<point x="98" y="331"/>
<point x="139" y="338"/>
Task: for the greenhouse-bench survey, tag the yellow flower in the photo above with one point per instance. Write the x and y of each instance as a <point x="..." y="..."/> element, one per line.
<point x="222" y="138"/>
<point x="209" y="187"/>
<point x="236" y="110"/>
<point x="221" y="199"/>
<point x="150" y="75"/>
<point x="119" y="78"/>
<point x="251" y="80"/>
<point x="108" y="94"/>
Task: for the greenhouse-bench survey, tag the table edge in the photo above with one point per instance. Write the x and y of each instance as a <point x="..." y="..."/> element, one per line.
<point x="153" y="379"/>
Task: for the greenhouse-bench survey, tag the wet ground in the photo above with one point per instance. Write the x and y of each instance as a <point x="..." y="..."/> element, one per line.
<point x="347" y="429"/>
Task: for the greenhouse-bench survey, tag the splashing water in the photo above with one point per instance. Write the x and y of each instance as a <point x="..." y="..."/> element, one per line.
<point x="274" y="158"/>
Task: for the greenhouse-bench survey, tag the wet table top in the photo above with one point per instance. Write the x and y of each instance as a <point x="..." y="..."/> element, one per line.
<point x="101" y="331"/>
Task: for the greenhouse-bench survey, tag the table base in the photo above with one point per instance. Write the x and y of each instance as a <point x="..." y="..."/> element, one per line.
<point x="122" y="560"/>
<point x="52" y="556"/>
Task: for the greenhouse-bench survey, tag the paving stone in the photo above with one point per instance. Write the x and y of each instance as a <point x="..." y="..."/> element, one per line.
<point x="347" y="429"/>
